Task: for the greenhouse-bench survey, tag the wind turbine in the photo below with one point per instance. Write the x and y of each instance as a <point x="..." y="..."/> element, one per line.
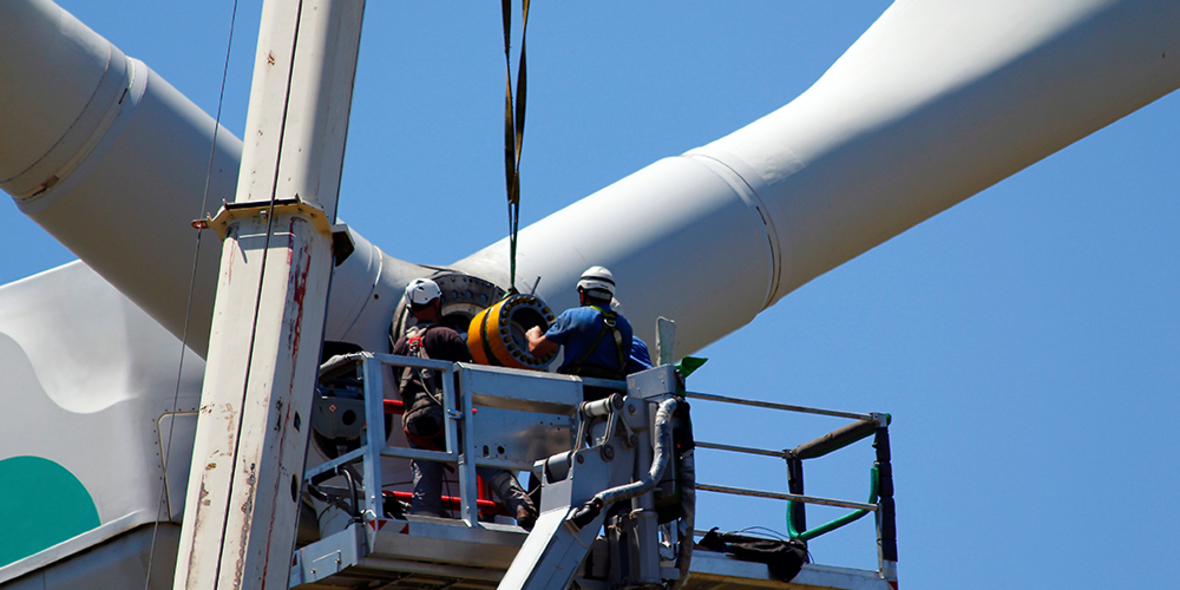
<point x="851" y="128"/>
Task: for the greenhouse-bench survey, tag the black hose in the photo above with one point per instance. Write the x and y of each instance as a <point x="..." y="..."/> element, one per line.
<point x="351" y="478"/>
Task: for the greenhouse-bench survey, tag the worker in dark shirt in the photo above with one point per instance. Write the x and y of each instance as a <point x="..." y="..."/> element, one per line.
<point x="425" y="416"/>
<point x="596" y="340"/>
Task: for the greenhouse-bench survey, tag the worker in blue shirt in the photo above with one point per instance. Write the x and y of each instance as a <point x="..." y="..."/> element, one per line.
<point x="596" y="340"/>
<point x="640" y="359"/>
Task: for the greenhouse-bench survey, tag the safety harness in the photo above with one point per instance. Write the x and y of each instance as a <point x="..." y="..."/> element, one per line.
<point x="425" y="377"/>
<point x="610" y="323"/>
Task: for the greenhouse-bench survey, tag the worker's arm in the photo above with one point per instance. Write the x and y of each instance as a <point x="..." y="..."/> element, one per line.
<point x="539" y="345"/>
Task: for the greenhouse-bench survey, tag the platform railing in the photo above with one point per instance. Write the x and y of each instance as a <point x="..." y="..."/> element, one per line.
<point x="461" y="451"/>
<point x="461" y="444"/>
<point x="881" y="496"/>
<point x="374" y="445"/>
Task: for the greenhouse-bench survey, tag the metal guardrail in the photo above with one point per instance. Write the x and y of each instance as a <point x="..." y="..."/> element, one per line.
<point x="458" y="432"/>
<point x="374" y="447"/>
<point x="881" y="502"/>
<point x="777" y="406"/>
<point x="739" y="449"/>
<point x="786" y="453"/>
<point x="781" y="496"/>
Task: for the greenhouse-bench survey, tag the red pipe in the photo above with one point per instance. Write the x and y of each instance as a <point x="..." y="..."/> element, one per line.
<point x="486" y="507"/>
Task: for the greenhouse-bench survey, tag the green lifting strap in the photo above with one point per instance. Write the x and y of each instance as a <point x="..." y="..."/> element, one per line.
<point x="835" y="524"/>
<point x="514" y="128"/>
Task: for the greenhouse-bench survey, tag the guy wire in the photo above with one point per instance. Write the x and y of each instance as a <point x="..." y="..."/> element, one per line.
<point x="191" y="287"/>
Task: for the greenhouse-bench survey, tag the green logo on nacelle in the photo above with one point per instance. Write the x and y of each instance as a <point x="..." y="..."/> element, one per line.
<point x="41" y="505"/>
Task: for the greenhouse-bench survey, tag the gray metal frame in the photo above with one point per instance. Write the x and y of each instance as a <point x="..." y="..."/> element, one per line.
<point x="887" y="569"/>
<point x="536" y="398"/>
<point x="375" y="436"/>
<point x="515" y="409"/>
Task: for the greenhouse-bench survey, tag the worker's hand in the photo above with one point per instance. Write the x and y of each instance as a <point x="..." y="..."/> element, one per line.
<point x="538" y="344"/>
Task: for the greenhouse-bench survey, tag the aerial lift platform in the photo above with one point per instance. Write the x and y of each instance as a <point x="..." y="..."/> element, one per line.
<point x="615" y="461"/>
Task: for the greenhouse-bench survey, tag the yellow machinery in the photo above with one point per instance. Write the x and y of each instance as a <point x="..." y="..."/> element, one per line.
<point x="496" y="334"/>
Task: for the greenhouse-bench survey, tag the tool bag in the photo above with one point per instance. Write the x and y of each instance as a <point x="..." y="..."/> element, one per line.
<point x="784" y="558"/>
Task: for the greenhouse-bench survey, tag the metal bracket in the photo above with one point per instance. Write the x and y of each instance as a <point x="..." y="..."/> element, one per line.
<point x="231" y="212"/>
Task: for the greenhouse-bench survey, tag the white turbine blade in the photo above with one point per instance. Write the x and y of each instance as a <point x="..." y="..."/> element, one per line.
<point x="937" y="101"/>
<point x="111" y="160"/>
<point x="940" y="100"/>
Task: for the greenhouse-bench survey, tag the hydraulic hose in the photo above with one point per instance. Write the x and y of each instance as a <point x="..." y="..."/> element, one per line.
<point x="688" y="505"/>
<point x="662" y="449"/>
<point x="332" y="367"/>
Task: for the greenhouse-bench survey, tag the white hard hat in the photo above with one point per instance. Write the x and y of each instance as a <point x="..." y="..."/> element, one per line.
<point x="597" y="277"/>
<point x="422" y="291"/>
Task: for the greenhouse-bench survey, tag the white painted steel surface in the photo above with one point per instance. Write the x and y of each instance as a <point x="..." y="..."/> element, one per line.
<point x="244" y="488"/>
<point x="116" y="565"/>
<point x="713" y="570"/>
<point x="240" y="512"/>
<point x="485" y="555"/>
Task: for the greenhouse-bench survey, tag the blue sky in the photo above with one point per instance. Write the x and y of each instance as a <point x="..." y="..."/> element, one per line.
<point x="1025" y="341"/>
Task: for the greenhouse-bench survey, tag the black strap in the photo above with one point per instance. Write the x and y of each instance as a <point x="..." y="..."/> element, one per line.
<point x="609" y="323"/>
<point x="425" y="376"/>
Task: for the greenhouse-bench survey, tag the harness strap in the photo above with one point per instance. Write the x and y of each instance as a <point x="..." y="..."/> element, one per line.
<point x="609" y="323"/>
<point x="414" y="338"/>
<point x="429" y="443"/>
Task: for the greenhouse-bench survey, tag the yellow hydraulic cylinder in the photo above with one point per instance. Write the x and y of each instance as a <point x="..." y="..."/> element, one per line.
<point x="496" y="334"/>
